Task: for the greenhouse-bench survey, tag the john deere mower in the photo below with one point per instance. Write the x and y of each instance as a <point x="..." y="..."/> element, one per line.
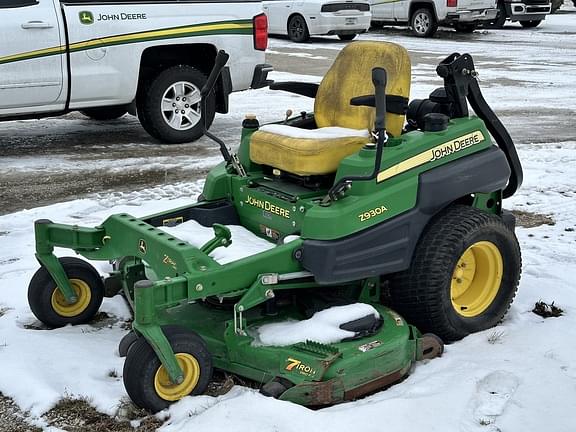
<point x="370" y="199"/>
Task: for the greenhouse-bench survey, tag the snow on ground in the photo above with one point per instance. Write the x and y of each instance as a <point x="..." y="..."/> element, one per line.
<point x="525" y="379"/>
<point x="520" y="376"/>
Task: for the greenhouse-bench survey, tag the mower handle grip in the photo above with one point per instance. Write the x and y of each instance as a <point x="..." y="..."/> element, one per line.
<point x="379" y="81"/>
<point x="221" y="59"/>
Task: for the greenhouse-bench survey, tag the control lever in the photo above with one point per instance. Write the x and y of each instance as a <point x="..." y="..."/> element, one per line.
<point x="230" y="158"/>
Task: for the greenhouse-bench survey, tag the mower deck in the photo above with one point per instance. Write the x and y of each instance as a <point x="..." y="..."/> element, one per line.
<point x="321" y="373"/>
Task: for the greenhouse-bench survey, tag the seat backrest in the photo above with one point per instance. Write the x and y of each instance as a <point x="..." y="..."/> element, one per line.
<point x="351" y="75"/>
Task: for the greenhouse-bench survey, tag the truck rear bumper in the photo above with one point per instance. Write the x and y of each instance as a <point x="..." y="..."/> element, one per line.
<point x="471" y="16"/>
<point x="349" y="22"/>
<point x="522" y="12"/>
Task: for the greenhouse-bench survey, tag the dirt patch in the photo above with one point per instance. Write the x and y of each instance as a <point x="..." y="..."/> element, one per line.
<point x="77" y="415"/>
<point x="12" y="419"/>
<point x="530" y="220"/>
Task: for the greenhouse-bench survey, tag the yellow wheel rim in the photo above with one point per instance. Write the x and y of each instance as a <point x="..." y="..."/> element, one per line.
<point x="173" y="392"/>
<point x="65" y="309"/>
<point x="476" y="279"/>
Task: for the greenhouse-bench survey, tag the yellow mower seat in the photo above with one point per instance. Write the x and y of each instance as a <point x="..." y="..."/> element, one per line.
<point x="316" y="152"/>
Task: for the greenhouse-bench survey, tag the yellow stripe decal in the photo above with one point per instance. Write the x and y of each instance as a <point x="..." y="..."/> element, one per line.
<point x="431" y="155"/>
<point x="32" y="54"/>
<point x="157" y="34"/>
<point x="238" y="27"/>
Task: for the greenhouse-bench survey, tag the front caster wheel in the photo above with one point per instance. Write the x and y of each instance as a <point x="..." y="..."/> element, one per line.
<point x="147" y="381"/>
<point x="463" y="276"/>
<point x="48" y="304"/>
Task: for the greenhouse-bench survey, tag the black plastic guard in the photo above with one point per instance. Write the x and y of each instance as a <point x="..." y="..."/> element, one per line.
<point x="388" y="247"/>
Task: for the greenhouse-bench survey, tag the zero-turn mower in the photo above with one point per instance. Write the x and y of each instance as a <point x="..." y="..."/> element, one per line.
<point x="369" y="199"/>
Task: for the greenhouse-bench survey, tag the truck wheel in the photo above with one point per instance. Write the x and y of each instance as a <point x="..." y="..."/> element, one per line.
<point x="530" y="23"/>
<point x="47" y="302"/>
<point x="500" y="19"/>
<point x="347" y="37"/>
<point x="463" y="277"/>
<point x="169" y="108"/>
<point x="423" y="23"/>
<point x="106" y="113"/>
<point x="147" y="381"/>
<point x="465" y="28"/>
<point x="297" y="29"/>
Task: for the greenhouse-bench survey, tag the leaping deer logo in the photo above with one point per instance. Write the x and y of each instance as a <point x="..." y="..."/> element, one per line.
<point x="86" y="17"/>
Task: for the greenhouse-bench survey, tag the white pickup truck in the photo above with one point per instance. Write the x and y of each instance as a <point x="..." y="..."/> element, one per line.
<point x="148" y="57"/>
<point x="424" y="16"/>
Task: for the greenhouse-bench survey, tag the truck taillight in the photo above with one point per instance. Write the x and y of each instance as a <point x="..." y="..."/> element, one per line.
<point x="451" y="3"/>
<point x="260" y="32"/>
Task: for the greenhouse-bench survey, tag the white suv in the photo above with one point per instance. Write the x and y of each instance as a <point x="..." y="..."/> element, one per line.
<point x="300" y="19"/>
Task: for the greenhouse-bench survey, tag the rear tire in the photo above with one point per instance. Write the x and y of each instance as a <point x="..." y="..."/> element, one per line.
<point x="146" y="380"/>
<point x="105" y="113"/>
<point x="423" y="23"/>
<point x="347" y="37"/>
<point x="465" y="28"/>
<point x="298" y="29"/>
<point x="463" y="277"/>
<point x="48" y="304"/>
<point x="530" y="24"/>
<point x="169" y="106"/>
<point x="500" y="19"/>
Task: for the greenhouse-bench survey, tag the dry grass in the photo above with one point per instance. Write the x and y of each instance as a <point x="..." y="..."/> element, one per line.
<point x="530" y="220"/>
<point x="77" y="415"/>
<point x="496" y="337"/>
<point x="12" y="419"/>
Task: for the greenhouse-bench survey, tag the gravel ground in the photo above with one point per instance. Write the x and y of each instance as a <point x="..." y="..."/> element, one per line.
<point x="12" y="419"/>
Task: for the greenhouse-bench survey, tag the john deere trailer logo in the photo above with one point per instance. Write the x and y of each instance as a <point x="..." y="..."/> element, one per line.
<point x="297" y="366"/>
<point x="86" y="17"/>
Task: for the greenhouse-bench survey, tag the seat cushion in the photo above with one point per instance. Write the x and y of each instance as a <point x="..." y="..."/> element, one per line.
<point x="305" y="152"/>
<point x="351" y="75"/>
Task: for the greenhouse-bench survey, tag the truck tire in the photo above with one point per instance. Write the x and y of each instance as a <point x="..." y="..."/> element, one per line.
<point x="463" y="276"/>
<point x="530" y="23"/>
<point x="105" y="113"/>
<point x="465" y="28"/>
<point x="298" y="29"/>
<point x="347" y="37"/>
<point x="500" y="19"/>
<point x="169" y="105"/>
<point x="423" y="23"/>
